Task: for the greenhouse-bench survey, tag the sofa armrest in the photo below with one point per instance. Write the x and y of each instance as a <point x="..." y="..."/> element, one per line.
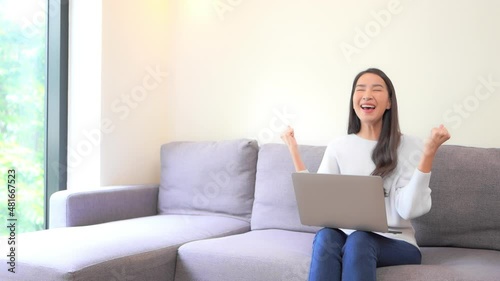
<point x="100" y="205"/>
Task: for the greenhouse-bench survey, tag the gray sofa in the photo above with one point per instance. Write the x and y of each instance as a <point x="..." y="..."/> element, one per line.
<point x="226" y="211"/>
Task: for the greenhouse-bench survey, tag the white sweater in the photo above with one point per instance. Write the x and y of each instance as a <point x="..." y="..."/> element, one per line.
<point x="409" y="195"/>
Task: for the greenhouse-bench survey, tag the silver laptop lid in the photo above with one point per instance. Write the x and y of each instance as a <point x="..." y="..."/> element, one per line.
<point x="341" y="201"/>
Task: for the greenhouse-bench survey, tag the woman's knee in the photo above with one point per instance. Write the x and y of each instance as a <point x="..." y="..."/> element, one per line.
<point x="361" y="241"/>
<point x="326" y="232"/>
<point x="330" y="239"/>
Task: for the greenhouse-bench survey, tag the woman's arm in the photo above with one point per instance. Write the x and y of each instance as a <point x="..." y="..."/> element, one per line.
<point x="414" y="199"/>
<point x="288" y="137"/>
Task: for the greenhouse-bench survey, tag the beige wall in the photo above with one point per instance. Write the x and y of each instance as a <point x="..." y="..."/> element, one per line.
<point x="134" y="90"/>
<point x="257" y="57"/>
<point x="239" y="68"/>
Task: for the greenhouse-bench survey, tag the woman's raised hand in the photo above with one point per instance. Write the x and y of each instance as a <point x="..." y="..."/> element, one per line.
<point x="439" y="135"/>
<point x="288" y="137"/>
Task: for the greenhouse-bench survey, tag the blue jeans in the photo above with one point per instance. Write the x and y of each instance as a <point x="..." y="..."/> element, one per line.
<point x="337" y="256"/>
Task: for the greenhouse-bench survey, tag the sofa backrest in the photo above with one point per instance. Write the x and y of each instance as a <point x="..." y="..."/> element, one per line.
<point x="274" y="204"/>
<point x="465" y="211"/>
<point x="208" y="178"/>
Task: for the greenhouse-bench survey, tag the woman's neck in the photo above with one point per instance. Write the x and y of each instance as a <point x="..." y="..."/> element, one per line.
<point x="370" y="131"/>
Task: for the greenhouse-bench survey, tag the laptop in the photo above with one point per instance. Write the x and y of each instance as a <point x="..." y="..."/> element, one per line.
<point x="341" y="201"/>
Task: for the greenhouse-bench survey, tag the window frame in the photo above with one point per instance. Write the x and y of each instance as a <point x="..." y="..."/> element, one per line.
<point x="56" y="101"/>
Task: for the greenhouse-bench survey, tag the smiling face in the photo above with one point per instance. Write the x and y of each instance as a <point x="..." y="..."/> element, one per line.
<point x="370" y="99"/>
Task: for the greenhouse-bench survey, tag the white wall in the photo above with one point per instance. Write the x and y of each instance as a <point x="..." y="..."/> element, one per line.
<point x="239" y="68"/>
<point x="84" y="94"/>
<point x="234" y="68"/>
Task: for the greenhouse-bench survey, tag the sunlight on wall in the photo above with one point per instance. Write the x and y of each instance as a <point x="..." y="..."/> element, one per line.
<point x="134" y="80"/>
<point x="197" y="11"/>
<point x="257" y="57"/>
<point x="230" y="69"/>
<point x="84" y="91"/>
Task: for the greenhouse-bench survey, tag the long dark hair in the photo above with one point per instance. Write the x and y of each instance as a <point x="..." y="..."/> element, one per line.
<point x="384" y="154"/>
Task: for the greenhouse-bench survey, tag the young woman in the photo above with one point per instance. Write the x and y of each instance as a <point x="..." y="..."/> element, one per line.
<point x="374" y="146"/>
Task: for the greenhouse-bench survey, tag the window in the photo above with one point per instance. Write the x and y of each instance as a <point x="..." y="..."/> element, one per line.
<point x="32" y="107"/>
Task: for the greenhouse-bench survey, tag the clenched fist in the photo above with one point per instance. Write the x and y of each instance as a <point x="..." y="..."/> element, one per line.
<point x="438" y="136"/>
<point x="288" y="137"/>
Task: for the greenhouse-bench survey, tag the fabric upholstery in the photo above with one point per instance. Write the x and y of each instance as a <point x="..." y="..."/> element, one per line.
<point x="262" y="255"/>
<point x="214" y="182"/>
<point x="275" y="205"/>
<point x="465" y="185"/>
<point x="447" y="264"/>
<point x="277" y="255"/>
<point x="135" y="249"/>
<point x="206" y="178"/>
<point x="100" y="205"/>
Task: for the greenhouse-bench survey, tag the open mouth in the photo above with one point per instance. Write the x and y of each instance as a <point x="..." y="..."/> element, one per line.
<point x="367" y="107"/>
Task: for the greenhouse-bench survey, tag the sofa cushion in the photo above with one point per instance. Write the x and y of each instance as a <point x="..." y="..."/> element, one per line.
<point x="277" y="255"/>
<point x="134" y="249"/>
<point x="271" y="254"/>
<point x="275" y="205"/>
<point x="445" y="264"/>
<point x="465" y="185"/>
<point x="199" y="178"/>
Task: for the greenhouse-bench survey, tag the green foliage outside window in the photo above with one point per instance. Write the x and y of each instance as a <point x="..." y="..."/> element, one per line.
<point x="22" y="116"/>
